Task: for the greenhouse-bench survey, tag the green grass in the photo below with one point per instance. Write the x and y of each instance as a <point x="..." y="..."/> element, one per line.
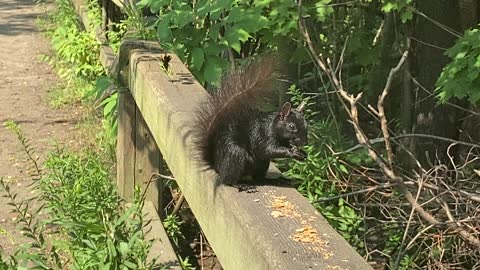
<point x="76" y="54"/>
<point x="69" y="94"/>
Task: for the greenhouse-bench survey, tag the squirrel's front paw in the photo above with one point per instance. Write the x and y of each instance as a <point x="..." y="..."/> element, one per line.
<point x="298" y="154"/>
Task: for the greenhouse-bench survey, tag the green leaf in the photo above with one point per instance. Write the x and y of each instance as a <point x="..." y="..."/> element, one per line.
<point x="202" y="7"/>
<point x="130" y="265"/>
<point x="460" y="55"/>
<point x="183" y="16"/>
<point x="101" y="84"/>
<point x="213" y="71"/>
<point x="477" y="62"/>
<point x="343" y="168"/>
<point x="110" y="104"/>
<point x="217" y="8"/>
<point x="235" y="36"/>
<point x="262" y="3"/>
<point x="323" y="10"/>
<point x="163" y="30"/>
<point x="389" y="7"/>
<point x="154" y="5"/>
<point x="123" y="248"/>
<point x="252" y="22"/>
<point x="475" y="97"/>
<point x="197" y="58"/>
<point x="407" y="15"/>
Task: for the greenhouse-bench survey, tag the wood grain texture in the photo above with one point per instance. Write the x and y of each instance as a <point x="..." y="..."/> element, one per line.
<point x="126" y="146"/>
<point x="241" y="227"/>
<point x="147" y="162"/>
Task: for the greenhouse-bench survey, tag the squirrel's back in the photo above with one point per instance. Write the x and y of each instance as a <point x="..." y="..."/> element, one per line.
<point x="236" y="101"/>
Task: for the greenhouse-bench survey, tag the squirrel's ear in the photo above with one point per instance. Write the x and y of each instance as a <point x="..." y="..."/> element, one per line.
<point x="285" y="110"/>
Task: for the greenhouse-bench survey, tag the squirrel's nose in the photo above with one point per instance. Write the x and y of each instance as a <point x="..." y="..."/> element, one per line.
<point x="300" y="142"/>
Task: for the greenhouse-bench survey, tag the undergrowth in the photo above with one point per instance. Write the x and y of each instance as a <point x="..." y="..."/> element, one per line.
<point x="92" y="230"/>
<point x="76" y="60"/>
<point x="325" y="173"/>
<point x="83" y="223"/>
<point x="76" y="50"/>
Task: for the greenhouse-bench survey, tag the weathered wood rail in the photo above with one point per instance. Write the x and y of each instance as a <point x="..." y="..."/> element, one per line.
<point x="275" y="228"/>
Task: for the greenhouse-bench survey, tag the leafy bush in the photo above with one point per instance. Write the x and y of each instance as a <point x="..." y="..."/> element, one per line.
<point x="172" y="225"/>
<point x="77" y="52"/>
<point x="95" y="232"/>
<point x="73" y="46"/>
<point x="83" y="201"/>
<point x="77" y="62"/>
<point x="134" y="26"/>
<point x="461" y="77"/>
<point x="204" y="33"/>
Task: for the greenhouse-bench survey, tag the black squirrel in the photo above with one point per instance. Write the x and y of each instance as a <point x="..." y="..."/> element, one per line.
<point x="235" y="138"/>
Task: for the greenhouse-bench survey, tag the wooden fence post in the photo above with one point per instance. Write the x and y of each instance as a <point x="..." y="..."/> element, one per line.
<point x="147" y="162"/>
<point x="126" y="145"/>
<point x="138" y="156"/>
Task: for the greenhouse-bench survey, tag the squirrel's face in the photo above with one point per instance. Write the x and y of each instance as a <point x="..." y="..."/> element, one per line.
<point x="291" y="125"/>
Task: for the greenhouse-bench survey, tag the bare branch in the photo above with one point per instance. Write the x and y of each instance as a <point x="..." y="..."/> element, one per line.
<point x="361" y="137"/>
<point x="454" y="225"/>
<point x="324" y="199"/>
<point x="381" y="110"/>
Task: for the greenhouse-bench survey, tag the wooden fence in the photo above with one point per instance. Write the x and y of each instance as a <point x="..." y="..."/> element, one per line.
<point x="275" y="228"/>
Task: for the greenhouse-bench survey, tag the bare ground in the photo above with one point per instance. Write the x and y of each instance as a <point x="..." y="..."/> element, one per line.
<point x="24" y="83"/>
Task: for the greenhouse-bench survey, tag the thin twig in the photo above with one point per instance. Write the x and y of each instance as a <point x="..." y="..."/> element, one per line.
<point x="417" y="236"/>
<point x="419" y="135"/>
<point x="440" y="25"/>
<point x="381" y="109"/>
<point x="407" y="227"/>
<point x="201" y="251"/>
<point x="324" y="199"/>
<point x="164" y="176"/>
<point x="363" y="139"/>
<point x="154" y="177"/>
<point x="454" y="225"/>
<point x="179" y="204"/>
<point x="430" y="93"/>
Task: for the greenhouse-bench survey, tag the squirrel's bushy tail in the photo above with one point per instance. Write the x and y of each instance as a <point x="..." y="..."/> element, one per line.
<point x="241" y="91"/>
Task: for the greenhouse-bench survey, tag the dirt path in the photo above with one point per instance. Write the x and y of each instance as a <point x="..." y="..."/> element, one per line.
<point x="24" y="82"/>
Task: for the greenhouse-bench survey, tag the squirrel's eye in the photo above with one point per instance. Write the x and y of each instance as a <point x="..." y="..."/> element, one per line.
<point x="292" y="127"/>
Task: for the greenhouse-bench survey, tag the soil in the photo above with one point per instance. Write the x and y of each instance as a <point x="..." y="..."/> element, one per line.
<point x="24" y="83"/>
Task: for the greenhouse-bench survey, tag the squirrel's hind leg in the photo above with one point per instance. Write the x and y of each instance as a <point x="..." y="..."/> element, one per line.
<point x="230" y="165"/>
<point x="259" y="169"/>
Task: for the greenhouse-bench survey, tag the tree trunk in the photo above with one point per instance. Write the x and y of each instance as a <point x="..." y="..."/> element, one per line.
<point x="429" y="44"/>
<point x="379" y="74"/>
<point x="470" y="17"/>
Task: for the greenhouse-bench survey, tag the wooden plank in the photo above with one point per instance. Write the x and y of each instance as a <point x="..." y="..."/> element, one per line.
<point x="126" y="146"/>
<point x="107" y="55"/>
<point x="162" y="249"/>
<point x="239" y="226"/>
<point x="147" y="162"/>
<point x="104" y="15"/>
